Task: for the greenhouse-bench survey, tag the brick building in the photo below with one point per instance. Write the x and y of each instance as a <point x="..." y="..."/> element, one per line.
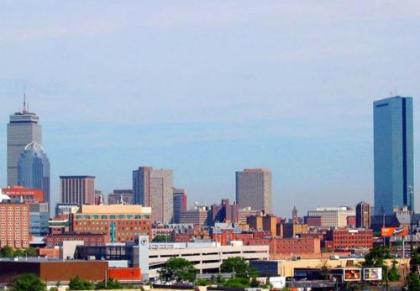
<point x="89" y="239"/>
<point x="290" y="246"/>
<point x="296" y="246"/>
<point x="14" y="224"/>
<point x="346" y="239"/>
<point x="266" y="223"/>
<point x="119" y="222"/>
<point x="54" y="271"/>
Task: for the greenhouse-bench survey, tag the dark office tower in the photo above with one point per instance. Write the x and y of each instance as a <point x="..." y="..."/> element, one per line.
<point x="153" y="188"/>
<point x="363" y="215"/>
<point x="78" y="190"/>
<point x="23" y="129"/>
<point x="180" y="203"/>
<point x="253" y="189"/>
<point x="34" y="170"/>
<point x="393" y="154"/>
<point x="295" y="217"/>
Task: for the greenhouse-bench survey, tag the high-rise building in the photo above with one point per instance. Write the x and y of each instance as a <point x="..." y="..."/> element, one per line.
<point x="153" y="188"/>
<point x="34" y="170"/>
<point x="363" y="215"/>
<point x="253" y="189"/>
<point x="180" y="203"/>
<point x="23" y="129"/>
<point x="393" y="154"/>
<point x="77" y="189"/>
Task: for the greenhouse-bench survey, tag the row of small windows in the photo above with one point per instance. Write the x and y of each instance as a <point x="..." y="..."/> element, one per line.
<point x="121" y="216"/>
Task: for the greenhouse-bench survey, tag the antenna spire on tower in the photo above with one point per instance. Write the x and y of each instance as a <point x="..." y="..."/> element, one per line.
<point x="24" y="103"/>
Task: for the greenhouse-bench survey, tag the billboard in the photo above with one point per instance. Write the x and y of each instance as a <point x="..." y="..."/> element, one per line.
<point x="391" y="231"/>
<point x="372" y="274"/>
<point x="278" y="282"/>
<point x="352" y="274"/>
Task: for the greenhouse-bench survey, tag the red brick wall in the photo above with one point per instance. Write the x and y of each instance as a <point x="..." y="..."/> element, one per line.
<point x="351" y="239"/>
<point x="125" y="274"/>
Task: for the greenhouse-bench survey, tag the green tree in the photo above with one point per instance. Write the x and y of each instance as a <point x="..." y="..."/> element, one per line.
<point x="376" y="257"/>
<point x="28" y="282"/>
<point x="178" y="269"/>
<point x="254" y="283"/>
<point x="413" y="278"/>
<point x="237" y="283"/>
<point x="7" y="252"/>
<point x="413" y="281"/>
<point x="110" y="284"/>
<point x="30" y="252"/>
<point x="161" y="238"/>
<point x="78" y="283"/>
<point x="239" y="266"/>
<point x="202" y="282"/>
<point x="393" y="274"/>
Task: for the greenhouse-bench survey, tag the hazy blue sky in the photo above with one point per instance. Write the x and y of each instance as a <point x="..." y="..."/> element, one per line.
<point x="210" y="87"/>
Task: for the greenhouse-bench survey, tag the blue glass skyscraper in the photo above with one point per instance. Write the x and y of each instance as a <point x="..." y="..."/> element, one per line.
<point x="393" y="154"/>
<point x="34" y="169"/>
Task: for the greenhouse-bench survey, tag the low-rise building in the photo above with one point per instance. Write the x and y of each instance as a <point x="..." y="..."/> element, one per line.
<point x="52" y="271"/>
<point x="198" y="216"/>
<point x="119" y="222"/>
<point x="22" y="194"/>
<point x="332" y="216"/>
<point x="294" y="229"/>
<point x="349" y="238"/>
<point x="89" y="239"/>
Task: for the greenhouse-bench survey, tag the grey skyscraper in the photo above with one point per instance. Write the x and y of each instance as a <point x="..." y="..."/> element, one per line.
<point x="34" y="169"/>
<point x="23" y="129"/>
<point x="393" y="154"/>
<point x="253" y="189"/>
<point x="153" y="188"/>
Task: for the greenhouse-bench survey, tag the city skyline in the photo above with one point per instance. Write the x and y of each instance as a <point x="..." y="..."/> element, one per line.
<point x="235" y="90"/>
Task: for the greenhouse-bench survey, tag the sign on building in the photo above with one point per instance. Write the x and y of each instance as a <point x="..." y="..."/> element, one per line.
<point x="372" y="274"/>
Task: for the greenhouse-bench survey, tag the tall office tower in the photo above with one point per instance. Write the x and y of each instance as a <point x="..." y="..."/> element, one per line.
<point x="180" y="203"/>
<point x="393" y="154"/>
<point x="77" y="190"/>
<point x="363" y="215"/>
<point x="153" y="188"/>
<point x="23" y="129"/>
<point x="253" y="189"/>
<point x="34" y="170"/>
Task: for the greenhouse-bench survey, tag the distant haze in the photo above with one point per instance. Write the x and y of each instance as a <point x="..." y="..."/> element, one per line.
<point x="210" y="87"/>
